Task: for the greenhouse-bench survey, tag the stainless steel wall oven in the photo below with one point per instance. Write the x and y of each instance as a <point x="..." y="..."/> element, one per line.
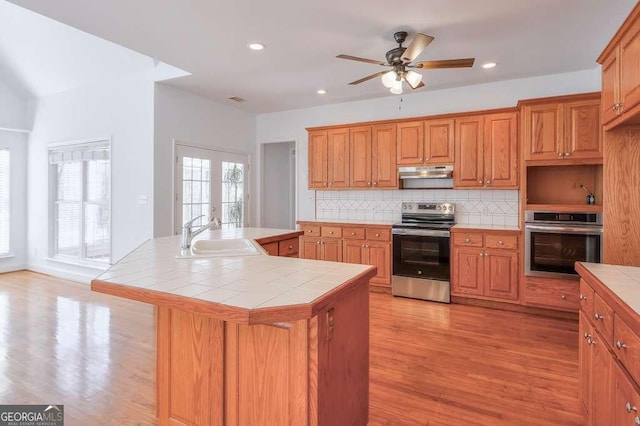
<point x="555" y="241"/>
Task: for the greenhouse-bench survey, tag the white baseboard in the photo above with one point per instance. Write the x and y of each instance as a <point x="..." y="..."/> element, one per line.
<point x="13" y="268"/>
<point x="83" y="278"/>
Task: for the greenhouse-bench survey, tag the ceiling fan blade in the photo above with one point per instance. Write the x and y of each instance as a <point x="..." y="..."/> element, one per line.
<point x="355" y="58"/>
<point x="449" y="63"/>
<point x="421" y="84"/>
<point x="419" y="43"/>
<point x="369" y="77"/>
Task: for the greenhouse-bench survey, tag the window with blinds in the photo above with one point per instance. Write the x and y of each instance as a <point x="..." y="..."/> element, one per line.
<point x="81" y="176"/>
<point x="5" y="202"/>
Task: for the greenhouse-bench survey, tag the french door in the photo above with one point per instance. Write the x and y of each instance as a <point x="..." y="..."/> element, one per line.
<point x="210" y="183"/>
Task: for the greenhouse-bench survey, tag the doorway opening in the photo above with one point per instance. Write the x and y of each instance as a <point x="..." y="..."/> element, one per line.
<point x="278" y="185"/>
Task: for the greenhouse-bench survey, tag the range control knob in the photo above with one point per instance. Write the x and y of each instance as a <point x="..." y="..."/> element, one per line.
<point x="439" y="207"/>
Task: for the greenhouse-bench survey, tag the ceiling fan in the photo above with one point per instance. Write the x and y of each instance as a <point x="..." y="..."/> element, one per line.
<point x="401" y="59"/>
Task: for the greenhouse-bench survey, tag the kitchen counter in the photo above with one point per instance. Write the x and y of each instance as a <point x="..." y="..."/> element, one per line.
<point x="487" y="227"/>
<point x="252" y="339"/>
<point x="352" y="222"/>
<point x="622" y="281"/>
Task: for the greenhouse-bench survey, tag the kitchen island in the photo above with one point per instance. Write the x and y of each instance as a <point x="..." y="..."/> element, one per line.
<point x="247" y="340"/>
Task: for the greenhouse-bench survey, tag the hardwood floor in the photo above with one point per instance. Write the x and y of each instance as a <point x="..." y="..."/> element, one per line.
<point x="431" y="364"/>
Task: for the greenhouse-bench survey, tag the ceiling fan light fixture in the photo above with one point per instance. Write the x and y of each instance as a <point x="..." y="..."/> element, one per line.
<point x="489" y="65"/>
<point x="396" y="88"/>
<point x="389" y="78"/>
<point x="322" y="92"/>
<point x="413" y="78"/>
<point x="254" y="45"/>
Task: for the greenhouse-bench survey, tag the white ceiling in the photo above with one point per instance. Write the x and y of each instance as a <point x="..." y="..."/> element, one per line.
<point x="208" y="39"/>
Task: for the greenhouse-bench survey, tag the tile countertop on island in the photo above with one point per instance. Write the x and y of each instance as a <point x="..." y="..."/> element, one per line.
<point x="623" y="281"/>
<point x="244" y="289"/>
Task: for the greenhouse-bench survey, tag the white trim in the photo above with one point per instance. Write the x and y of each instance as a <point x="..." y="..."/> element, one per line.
<point x="83" y="278"/>
<point x="78" y="142"/>
<point x="209" y="147"/>
<point x="13" y="268"/>
<point x="7" y="256"/>
<point x="9" y="129"/>
<point x="99" y="266"/>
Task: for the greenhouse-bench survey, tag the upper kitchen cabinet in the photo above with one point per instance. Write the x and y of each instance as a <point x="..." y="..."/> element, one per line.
<point x="372" y="157"/>
<point x="329" y="159"/>
<point x="562" y="130"/>
<point x="621" y="75"/>
<point x="425" y="142"/>
<point x="486" y="151"/>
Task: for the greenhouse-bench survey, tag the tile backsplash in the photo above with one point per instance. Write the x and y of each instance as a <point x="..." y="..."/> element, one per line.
<point x="473" y="207"/>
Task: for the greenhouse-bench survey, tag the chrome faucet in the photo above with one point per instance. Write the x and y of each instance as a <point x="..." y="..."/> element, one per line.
<point x="188" y="234"/>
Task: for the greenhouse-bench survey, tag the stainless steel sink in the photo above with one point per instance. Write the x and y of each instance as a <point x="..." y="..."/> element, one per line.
<point x="222" y="248"/>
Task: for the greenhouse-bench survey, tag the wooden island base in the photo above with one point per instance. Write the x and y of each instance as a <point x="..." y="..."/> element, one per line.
<point x="310" y="371"/>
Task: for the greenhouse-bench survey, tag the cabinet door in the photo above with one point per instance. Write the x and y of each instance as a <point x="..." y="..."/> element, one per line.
<point x="624" y="395"/>
<point x="331" y="250"/>
<point x="501" y="274"/>
<point x="601" y="411"/>
<point x="584" y="361"/>
<point x="338" y="158"/>
<point x="629" y="68"/>
<point x="582" y="130"/>
<point x="467" y="271"/>
<point x="379" y="255"/>
<point x="309" y="248"/>
<point x="353" y="251"/>
<point x="318" y="159"/>
<point x="469" y="164"/>
<point x="610" y="87"/>
<point x="410" y="143"/>
<point x="501" y="150"/>
<point x="360" y="157"/>
<point x="384" y="172"/>
<point x="438" y="141"/>
<point x="543" y="132"/>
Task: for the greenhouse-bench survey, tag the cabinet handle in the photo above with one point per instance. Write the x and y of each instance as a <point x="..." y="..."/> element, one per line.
<point x="330" y="183"/>
<point x="501" y="242"/>
<point x="353" y="233"/>
<point x="486" y="254"/>
<point x="362" y="246"/>
<point x="614" y="107"/>
<point x="636" y="420"/>
<point x="586" y="335"/>
<point x="318" y="243"/>
<point x="330" y="232"/>
<point x="377" y="235"/>
<point x="620" y="345"/>
<point x="326" y="184"/>
<point x="421" y="159"/>
<point x="375" y="183"/>
<point x="481" y="254"/>
<point x="309" y="230"/>
<point x="583" y="297"/>
<point x="290" y="247"/>
<point x="590" y="341"/>
<point x="560" y="154"/>
<point x="488" y="182"/>
<point x="427" y="159"/>
<point x="630" y="407"/>
<point x="480" y="182"/>
<point x="467" y="240"/>
<point x="567" y="154"/>
<point x="598" y="317"/>
<point x="368" y="183"/>
<point x="563" y="297"/>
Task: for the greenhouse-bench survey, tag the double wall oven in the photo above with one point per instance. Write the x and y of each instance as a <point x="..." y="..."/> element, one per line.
<point x="421" y="251"/>
<point x="554" y="242"/>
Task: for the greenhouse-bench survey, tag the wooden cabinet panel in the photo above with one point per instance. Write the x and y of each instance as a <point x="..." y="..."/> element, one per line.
<point x="271" y="248"/>
<point x="353" y="252"/>
<point x="501" y="150"/>
<point x="509" y="242"/>
<point x="501" y="274"/>
<point x="469" y="158"/>
<point x="467" y="239"/>
<point x="318" y="159"/>
<point x="360" y="157"/>
<point x="375" y="234"/>
<point x="410" y="143"/>
<point x="584" y="361"/>
<point x="338" y="158"/>
<point x="543" y="128"/>
<point x="626" y="346"/>
<point x="551" y="293"/>
<point x="603" y="319"/>
<point x="601" y="384"/>
<point x="384" y="171"/>
<point x="438" y="141"/>
<point x="630" y="68"/>
<point x="310" y="248"/>
<point x="331" y="250"/>
<point x="310" y="230"/>
<point x="353" y="233"/>
<point x="331" y="231"/>
<point x="587" y="296"/>
<point x="468" y="270"/>
<point x="582" y="131"/>
<point x="625" y="400"/>
<point x="610" y="87"/>
<point x="379" y="255"/>
<point x="288" y="248"/>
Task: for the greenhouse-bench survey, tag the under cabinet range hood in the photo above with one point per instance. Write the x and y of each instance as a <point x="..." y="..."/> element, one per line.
<point x="426" y="177"/>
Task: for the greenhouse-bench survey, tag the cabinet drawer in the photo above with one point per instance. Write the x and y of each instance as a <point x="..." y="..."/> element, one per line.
<point x="288" y="247"/>
<point x="311" y="230"/>
<point x="626" y="344"/>
<point x="626" y="399"/>
<point x="603" y="318"/>
<point x="379" y="234"/>
<point x="271" y="248"/>
<point x="501" y="241"/>
<point x="586" y="299"/>
<point x="467" y="239"/>
<point x="353" y="233"/>
<point x="552" y="294"/>
<point x="331" y="232"/>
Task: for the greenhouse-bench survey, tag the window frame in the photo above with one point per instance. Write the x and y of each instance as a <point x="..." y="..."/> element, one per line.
<point x="8" y="253"/>
<point x="81" y="260"/>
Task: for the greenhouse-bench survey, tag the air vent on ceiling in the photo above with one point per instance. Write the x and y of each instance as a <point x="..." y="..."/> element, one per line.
<point x="237" y="99"/>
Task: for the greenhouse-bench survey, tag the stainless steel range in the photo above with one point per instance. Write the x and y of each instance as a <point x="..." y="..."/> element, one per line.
<point x="421" y="251"/>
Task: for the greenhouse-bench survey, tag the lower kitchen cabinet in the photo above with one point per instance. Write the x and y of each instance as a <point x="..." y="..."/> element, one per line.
<point x="286" y="247"/>
<point x="485" y="265"/>
<point x="370" y="253"/>
<point x="551" y="293"/>
<point x="321" y="249"/>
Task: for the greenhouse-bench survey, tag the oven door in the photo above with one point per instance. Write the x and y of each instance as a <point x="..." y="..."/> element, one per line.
<point x="553" y="250"/>
<point x="421" y="254"/>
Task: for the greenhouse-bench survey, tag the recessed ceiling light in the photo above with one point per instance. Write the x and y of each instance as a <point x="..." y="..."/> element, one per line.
<point x="322" y="92"/>
<point x="489" y="65"/>
<point x="254" y="45"/>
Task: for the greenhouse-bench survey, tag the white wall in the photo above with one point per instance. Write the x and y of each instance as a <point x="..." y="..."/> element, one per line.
<point x="122" y="110"/>
<point x="14" y="108"/>
<point x="195" y="120"/>
<point x="290" y="125"/>
<point x="17" y="144"/>
<point x="278" y="182"/>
